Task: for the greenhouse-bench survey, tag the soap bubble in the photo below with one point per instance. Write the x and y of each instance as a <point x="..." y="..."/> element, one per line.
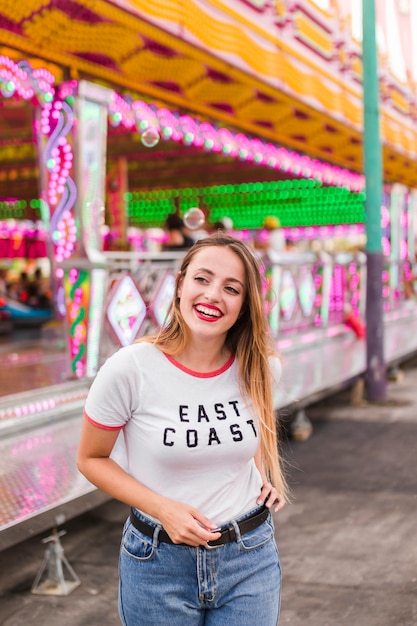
<point x="150" y="137"/>
<point x="194" y="218"/>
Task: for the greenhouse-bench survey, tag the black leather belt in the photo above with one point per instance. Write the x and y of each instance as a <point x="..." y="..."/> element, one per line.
<point x="228" y="533"/>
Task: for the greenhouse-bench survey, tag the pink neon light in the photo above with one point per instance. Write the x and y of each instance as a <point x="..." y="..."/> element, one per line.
<point x="29" y="83"/>
<point x="213" y="139"/>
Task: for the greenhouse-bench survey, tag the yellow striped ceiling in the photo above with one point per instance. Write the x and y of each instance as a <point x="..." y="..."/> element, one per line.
<point x="238" y="72"/>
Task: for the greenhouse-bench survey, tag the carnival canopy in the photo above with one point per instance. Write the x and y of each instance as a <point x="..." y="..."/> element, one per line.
<point x="286" y="72"/>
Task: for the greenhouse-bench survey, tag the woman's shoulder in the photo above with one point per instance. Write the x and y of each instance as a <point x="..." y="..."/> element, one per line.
<point x="138" y="351"/>
<point x="142" y="348"/>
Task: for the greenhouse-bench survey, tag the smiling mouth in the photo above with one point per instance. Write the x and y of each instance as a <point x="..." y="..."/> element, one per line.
<point x="208" y="312"/>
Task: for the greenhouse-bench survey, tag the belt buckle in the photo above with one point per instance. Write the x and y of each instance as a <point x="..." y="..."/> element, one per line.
<point x="218" y="544"/>
<point x="228" y="529"/>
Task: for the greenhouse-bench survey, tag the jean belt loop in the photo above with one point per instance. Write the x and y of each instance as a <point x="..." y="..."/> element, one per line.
<point x="237" y="530"/>
<point x="155" y="538"/>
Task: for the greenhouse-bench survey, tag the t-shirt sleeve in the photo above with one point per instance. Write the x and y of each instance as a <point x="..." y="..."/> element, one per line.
<point x="109" y="400"/>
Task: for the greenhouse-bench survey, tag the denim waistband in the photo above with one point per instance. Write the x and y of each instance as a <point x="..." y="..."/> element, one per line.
<point x="228" y="532"/>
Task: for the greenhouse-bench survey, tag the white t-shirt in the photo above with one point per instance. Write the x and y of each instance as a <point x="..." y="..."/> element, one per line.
<point x="189" y="436"/>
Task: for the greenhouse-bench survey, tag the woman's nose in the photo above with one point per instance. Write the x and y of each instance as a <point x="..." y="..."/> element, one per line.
<point x="212" y="292"/>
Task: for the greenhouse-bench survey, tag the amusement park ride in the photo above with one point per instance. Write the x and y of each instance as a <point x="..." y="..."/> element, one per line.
<point x="98" y="168"/>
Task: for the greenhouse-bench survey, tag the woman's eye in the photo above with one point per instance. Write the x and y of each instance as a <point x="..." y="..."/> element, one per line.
<point x="233" y="290"/>
<point x="200" y="279"/>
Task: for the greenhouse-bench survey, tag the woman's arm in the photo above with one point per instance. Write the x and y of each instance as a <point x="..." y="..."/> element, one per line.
<point x="268" y="494"/>
<point x="93" y="460"/>
<point x="183" y="523"/>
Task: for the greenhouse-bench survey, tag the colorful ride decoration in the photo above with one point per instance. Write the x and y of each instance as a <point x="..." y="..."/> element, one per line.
<point x="76" y="189"/>
<point x="287" y="70"/>
<point x="126" y="310"/>
<point x="72" y="132"/>
<point x="23" y="240"/>
<point x="84" y="295"/>
<point x="77" y="285"/>
<point x="60" y="192"/>
<point x="161" y="123"/>
<point x="297" y="292"/>
<point x="296" y="203"/>
<point x="21" y="80"/>
<point x="20" y="237"/>
<point x="347" y="291"/>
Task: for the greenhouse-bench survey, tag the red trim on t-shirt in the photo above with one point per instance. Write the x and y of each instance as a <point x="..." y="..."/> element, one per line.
<point x="103" y="426"/>
<point x="222" y="369"/>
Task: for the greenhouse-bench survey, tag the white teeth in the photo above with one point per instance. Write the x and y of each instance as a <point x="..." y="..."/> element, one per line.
<point x="205" y="311"/>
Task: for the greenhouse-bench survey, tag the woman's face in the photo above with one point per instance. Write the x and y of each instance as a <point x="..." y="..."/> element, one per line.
<point x="212" y="291"/>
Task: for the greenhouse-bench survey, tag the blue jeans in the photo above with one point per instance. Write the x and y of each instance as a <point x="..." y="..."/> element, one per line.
<point x="235" y="584"/>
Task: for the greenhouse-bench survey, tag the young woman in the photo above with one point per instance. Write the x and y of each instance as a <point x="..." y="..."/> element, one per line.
<point x="195" y="404"/>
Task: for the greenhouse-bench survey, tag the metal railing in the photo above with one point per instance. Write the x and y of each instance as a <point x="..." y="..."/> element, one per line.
<point x="303" y="291"/>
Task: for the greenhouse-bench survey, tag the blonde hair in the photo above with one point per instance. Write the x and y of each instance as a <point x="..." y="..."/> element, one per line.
<point x="248" y="339"/>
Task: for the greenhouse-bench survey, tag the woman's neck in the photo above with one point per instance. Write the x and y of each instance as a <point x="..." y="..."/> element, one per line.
<point x="203" y="357"/>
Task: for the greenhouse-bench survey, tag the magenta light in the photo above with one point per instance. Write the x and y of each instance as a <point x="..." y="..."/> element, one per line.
<point x="29" y="83"/>
<point x="182" y="127"/>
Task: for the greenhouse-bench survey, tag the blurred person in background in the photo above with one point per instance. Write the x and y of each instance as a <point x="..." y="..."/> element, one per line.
<point x="178" y="237"/>
<point x="271" y="237"/>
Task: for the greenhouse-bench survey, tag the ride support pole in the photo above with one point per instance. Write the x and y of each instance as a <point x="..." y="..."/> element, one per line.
<point x="375" y="379"/>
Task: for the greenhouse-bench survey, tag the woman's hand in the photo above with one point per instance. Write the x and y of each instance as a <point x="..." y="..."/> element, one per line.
<point x="184" y="524"/>
<point x="270" y="496"/>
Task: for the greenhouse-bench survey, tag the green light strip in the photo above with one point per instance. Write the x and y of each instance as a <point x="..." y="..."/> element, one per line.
<point x="17" y="209"/>
<point x="300" y="202"/>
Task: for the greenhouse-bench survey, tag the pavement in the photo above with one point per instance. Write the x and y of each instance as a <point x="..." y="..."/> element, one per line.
<point x="32" y="359"/>
<point x="348" y="540"/>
